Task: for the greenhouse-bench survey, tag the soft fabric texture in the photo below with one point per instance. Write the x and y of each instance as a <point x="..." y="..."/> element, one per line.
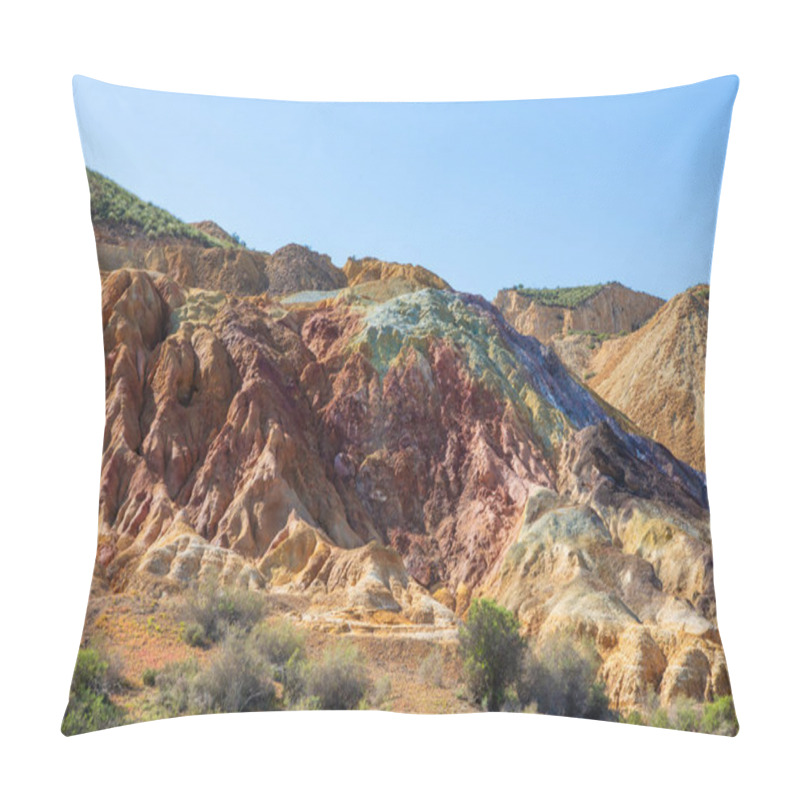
<point x="456" y="465"/>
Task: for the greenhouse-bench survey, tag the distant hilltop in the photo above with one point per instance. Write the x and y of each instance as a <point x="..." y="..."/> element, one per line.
<point x="609" y="308"/>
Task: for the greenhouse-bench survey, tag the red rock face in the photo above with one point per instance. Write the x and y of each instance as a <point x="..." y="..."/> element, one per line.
<point x="238" y="422"/>
<point x="233" y="270"/>
<point x="243" y="421"/>
<point x="443" y="465"/>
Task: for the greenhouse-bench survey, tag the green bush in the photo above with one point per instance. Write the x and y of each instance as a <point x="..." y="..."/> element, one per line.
<point x="717" y="717"/>
<point x="112" y="204"/>
<point x="660" y="719"/>
<point x="491" y="649"/>
<point x="294" y="679"/>
<point x="720" y="717"/>
<point x="560" y="677"/>
<point x="278" y="641"/>
<point x="237" y="679"/>
<point x="685" y="716"/>
<point x="339" y="680"/>
<point x="149" y="677"/>
<point x="217" y="609"/>
<point x="568" y="297"/>
<point x="634" y="718"/>
<point x="175" y="684"/>
<point x="431" y="670"/>
<point x="381" y="691"/>
<point x="194" y="635"/>
<point x="90" y="707"/>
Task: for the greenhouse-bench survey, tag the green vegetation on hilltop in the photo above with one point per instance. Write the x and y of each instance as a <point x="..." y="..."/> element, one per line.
<point x="567" y="297"/>
<point x="115" y="206"/>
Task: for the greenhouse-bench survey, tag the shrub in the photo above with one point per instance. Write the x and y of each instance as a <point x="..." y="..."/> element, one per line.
<point x="216" y="609"/>
<point x="236" y="679"/>
<point x="686" y="717"/>
<point x="560" y="679"/>
<point x="684" y="714"/>
<point x="149" y="677"/>
<point x="720" y="717"/>
<point x="278" y="641"/>
<point x="194" y="635"/>
<point x="431" y="670"/>
<point x="339" y="680"/>
<point x="112" y="204"/>
<point x="294" y="679"/>
<point x="90" y="708"/>
<point x="492" y="649"/>
<point x="567" y="297"/>
<point x="175" y="686"/>
<point x="634" y="718"/>
<point x="381" y="691"/>
<point x="660" y="719"/>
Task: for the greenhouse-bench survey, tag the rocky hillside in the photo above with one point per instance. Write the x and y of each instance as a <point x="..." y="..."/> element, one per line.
<point x="133" y="234"/>
<point x="656" y="376"/>
<point x="210" y="228"/>
<point x="609" y="308"/>
<point x="120" y="216"/>
<point x="642" y="356"/>
<point x="397" y="456"/>
<point x="376" y="446"/>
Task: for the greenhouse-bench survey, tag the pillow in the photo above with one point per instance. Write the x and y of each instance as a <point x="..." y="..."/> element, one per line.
<point x="404" y="407"/>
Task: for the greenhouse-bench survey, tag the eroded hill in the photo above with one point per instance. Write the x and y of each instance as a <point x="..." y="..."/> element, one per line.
<point x="609" y="308"/>
<point x="380" y="453"/>
<point x="657" y="375"/>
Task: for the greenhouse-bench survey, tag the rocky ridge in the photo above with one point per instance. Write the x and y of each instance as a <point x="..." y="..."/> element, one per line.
<point x="656" y="376"/>
<point x="612" y="309"/>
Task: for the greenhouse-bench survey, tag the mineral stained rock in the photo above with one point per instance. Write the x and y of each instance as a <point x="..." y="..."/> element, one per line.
<point x="374" y="441"/>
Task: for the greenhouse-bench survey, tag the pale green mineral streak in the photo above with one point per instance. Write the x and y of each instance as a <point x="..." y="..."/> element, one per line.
<point x="200" y="308"/>
<point x="414" y="320"/>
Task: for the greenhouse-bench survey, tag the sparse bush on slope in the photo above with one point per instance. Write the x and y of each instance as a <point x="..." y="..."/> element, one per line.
<point x="210" y="610"/>
<point x="175" y="684"/>
<point x="338" y="681"/>
<point x="720" y="717"/>
<point x="90" y="707"/>
<point x="560" y="677"/>
<point x="278" y="641"/>
<point x="717" y="717"/>
<point x="568" y="297"/>
<point x="238" y="678"/>
<point x="492" y="649"/>
<point x="431" y="670"/>
<point x="112" y="204"/>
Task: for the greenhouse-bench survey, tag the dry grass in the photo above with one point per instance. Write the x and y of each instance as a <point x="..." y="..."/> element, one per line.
<point x="145" y="634"/>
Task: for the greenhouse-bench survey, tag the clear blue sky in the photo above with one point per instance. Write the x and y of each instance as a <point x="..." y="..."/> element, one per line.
<point x="487" y="195"/>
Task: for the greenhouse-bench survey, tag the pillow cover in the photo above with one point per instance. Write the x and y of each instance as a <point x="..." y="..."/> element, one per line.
<point x="461" y="469"/>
